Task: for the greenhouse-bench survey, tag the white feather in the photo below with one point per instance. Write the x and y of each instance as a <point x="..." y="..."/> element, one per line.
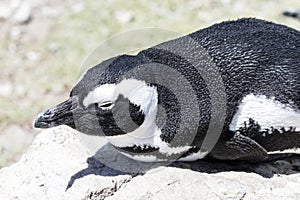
<point x="194" y="156"/>
<point x="165" y="148"/>
<point x="138" y="93"/>
<point x="267" y="112"/>
<point x="100" y="94"/>
<point x="143" y="157"/>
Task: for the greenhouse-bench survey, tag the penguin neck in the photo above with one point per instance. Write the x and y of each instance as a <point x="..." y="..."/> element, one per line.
<point x="161" y="122"/>
<point x="145" y="133"/>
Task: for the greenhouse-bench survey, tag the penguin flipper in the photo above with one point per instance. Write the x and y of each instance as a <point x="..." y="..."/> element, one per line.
<point x="239" y="147"/>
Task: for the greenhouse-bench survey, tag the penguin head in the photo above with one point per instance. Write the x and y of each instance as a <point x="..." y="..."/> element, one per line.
<point x="104" y="104"/>
<point x="130" y="101"/>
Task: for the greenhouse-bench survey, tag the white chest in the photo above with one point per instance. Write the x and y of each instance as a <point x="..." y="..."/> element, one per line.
<point x="267" y="112"/>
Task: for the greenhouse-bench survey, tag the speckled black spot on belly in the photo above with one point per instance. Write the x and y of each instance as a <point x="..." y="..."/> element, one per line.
<point x="272" y="139"/>
<point x="138" y="149"/>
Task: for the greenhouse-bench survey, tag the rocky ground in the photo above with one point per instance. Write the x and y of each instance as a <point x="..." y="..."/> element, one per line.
<point x="56" y="167"/>
<point x="43" y="44"/>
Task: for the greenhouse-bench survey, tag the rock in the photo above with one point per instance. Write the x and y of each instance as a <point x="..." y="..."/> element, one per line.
<point x="123" y="17"/>
<point x="33" y="56"/>
<point x="37" y="31"/>
<point x="5" y="12"/>
<point x="56" y="167"/>
<point x="49" y="12"/>
<point x="23" y="14"/>
<point x="14" y="4"/>
<point x="77" y="7"/>
<point x="173" y="183"/>
<point x="6" y="89"/>
<point x="49" y="164"/>
<point x="7" y="8"/>
<point x="15" y="33"/>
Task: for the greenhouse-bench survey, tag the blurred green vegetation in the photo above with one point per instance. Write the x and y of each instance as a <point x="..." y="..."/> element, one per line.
<point x="73" y="35"/>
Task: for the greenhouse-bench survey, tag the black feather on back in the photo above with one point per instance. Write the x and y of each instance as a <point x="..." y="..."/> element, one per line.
<point x="252" y="56"/>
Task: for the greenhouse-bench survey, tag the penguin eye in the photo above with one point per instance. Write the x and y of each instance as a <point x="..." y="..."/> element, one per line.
<point x="105" y="105"/>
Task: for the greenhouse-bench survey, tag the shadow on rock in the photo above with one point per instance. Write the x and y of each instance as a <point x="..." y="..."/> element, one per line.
<point x="276" y="164"/>
<point x="95" y="167"/>
<point x="109" y="162"/>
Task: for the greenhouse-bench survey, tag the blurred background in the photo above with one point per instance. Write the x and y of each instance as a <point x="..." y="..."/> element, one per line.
<point x="44" y="42"/>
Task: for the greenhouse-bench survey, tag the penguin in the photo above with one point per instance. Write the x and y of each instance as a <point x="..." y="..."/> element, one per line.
<point x="295" y="13"/>
<point x="236" y="83"/>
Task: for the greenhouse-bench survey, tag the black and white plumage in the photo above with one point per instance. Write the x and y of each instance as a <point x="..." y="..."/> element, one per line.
<point x="259" y="65"/>
<point x="295" y="13"/>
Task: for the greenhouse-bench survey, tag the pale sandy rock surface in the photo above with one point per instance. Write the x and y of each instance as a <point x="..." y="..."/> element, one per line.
<point x="56" y="167"/>
<point x="174" y="183"/>
<point x="44" y="42"/>
<point x="45" y="170"/>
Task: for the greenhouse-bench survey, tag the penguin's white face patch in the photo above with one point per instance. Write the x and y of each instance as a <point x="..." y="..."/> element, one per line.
<point x="103" y="93"/>
<point x="136" y="91"/>
<point x="267" y="112"/>
<point x="145" y="96"/>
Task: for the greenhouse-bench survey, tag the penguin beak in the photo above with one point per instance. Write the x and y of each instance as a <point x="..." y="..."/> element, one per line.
<point x="58" y="115"/>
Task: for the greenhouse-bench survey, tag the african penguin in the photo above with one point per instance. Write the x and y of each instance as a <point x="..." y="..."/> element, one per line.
<point x="236" y="83"/>
<point x="295" y="13"/>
